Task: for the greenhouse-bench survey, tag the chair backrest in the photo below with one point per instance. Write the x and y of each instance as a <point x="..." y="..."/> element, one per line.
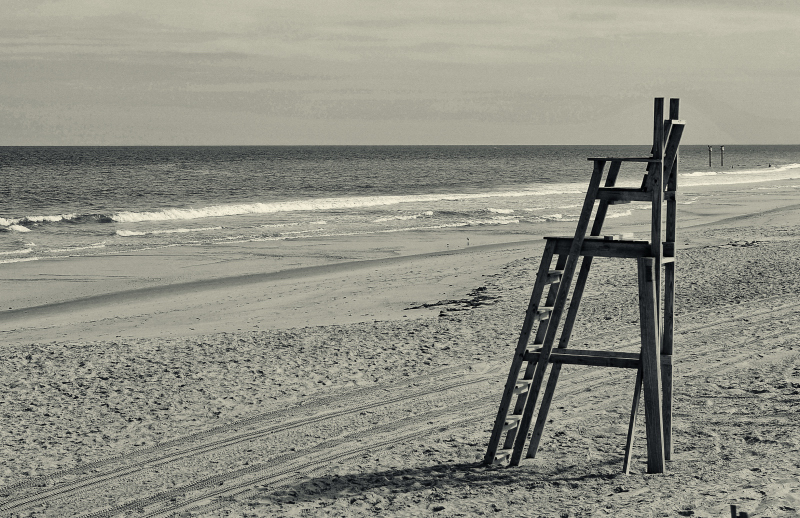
<point x="667" y="135"/>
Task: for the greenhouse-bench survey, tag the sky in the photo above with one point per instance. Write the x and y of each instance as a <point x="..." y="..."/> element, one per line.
<point x="274" y="72"/>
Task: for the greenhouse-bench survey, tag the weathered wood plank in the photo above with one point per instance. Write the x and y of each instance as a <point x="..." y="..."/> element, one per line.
<point x="666" y="409"/>
<point x="599" y="247"/>
<point x="637" y="394"/>
<point x="594" y="361"/>
<point x="522" y="386"/>
<point x="623" y="194"/>
<point x="554" y="276"/>
<point x="512" y="421"/>
<point x="667" y="343"/>
<point x="588" y="352"/>
<point x="671" y="151"/>
<point x="648" y="159"/>
<point x="594" y="358"/>
<point x="650" y="359"/>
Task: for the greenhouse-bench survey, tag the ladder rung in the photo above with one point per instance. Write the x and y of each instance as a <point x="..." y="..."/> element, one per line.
<point x="543" y="313"/>
<point x="512" y="421"/>
<point x="502" y="455"/>
<point x="522" y="386"/>
<point x="623" y="194"/>
<point x="554" y="276"/>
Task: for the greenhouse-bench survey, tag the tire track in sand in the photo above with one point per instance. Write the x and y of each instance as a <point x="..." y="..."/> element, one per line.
<point x="454" y="378"/>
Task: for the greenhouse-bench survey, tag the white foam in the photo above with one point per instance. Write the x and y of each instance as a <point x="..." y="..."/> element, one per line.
<point x="559" y="217"/>
<point x="16" y="252"/>
<point x="321" y="204"/>
<point x="497" y="220"/>
<point x="558" y="207"/>
<point x="36" y="219"/>
<point x="406" y="217"/>
<point x="501" y="220"/>
<point x="78" y="248"/>
<point x="278" y="225"/>
<point x="19" y="228"/>
<point x="51" y="219"/>
<point x="501" y="211"/>
<point x="128" y="233"/>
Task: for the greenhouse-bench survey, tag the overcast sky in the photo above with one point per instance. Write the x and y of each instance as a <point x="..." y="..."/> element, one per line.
<point x="382" y="72"/>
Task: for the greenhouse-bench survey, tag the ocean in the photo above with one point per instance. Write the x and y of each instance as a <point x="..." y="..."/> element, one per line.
<point x="68" y="201"/>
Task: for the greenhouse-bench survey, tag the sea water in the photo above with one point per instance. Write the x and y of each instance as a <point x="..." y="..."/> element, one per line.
<point x="67" y="201"/>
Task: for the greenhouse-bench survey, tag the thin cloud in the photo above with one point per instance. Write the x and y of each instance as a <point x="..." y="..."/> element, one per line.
<point x="308" y="64"/>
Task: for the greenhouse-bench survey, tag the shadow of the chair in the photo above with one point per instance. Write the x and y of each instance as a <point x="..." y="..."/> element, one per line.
<point x="467" y="476"/>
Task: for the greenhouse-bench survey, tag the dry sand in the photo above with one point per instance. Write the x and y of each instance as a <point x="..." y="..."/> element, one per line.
<point x="294" y="379"/>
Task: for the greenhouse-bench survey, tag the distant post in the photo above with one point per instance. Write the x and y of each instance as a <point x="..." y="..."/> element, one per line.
<point x="722" y="156"/>
<point x="709" y="156"/>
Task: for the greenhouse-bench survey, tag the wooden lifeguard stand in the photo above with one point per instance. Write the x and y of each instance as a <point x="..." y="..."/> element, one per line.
<point x="654" y="361"/>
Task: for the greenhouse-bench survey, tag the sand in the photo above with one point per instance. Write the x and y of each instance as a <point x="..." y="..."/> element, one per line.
<point x="360" y="376"/>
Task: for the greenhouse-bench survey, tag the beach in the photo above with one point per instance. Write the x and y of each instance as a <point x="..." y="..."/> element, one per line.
<point x="360" y="375"/>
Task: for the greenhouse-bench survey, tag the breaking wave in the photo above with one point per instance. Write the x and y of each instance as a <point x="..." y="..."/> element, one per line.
<point x="321" y="204"/>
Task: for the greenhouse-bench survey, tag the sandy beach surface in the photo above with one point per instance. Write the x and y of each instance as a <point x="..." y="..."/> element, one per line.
<point x="360" y="376"/>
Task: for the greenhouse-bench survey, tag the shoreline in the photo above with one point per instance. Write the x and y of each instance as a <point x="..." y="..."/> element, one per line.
<point x="95" y="284"/>
<point x="86" y="297"/>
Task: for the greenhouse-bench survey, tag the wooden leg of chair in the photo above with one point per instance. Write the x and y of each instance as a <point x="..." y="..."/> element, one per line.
<point x="650" y="365"/>
<point x="637" y="394"/>
<point x="666" y="387"/>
